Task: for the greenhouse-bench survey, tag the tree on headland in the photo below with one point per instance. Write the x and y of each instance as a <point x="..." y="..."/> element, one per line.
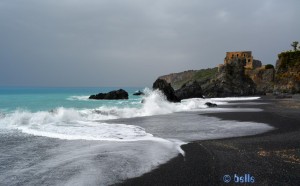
<point x="294" y="45"/>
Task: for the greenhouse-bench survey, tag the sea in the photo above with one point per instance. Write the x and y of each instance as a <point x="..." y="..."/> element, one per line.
<point x="57" y="136"/>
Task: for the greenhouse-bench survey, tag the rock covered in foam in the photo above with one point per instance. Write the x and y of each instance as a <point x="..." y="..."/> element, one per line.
<point x="209" y="104"/>
<point x="116" y="94"/>
<point x="166" y="89"/>
<point x="139" y="93"/>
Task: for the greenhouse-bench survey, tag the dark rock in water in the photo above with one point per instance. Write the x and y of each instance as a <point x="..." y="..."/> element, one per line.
<point x="209" y="104"/>
<point x="166" y="89"/>
<point x="189" y="90"/>
<point x="116" y="94"/>
<point x="139" y="93"/>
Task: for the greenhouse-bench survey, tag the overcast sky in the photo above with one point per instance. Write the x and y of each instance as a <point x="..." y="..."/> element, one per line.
<point x="132" y="42"/>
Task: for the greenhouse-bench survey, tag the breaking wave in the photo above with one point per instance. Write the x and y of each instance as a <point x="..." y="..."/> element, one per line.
<point x="89" y="124"/>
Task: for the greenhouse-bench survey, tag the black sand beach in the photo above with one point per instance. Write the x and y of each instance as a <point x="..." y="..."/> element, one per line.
<point x="272" y="158"/>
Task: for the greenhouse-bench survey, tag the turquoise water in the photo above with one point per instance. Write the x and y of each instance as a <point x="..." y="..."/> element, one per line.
<point x="45" y="99"/>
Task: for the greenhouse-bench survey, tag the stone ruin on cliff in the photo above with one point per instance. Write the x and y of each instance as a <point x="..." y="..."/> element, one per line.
<point x="244" y="57"/>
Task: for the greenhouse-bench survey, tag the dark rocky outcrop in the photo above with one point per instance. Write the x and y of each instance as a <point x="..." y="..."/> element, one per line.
<point x="230" y="81"/>
<point x="138" y="93"/>
<point x="117" y="94"/>
<point x="166" y="89"/>
<point x="189" y="90"/>
<point x="209" y="104"/>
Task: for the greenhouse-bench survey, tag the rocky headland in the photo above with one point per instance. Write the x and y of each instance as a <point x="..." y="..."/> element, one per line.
<point x="240" y="75"/>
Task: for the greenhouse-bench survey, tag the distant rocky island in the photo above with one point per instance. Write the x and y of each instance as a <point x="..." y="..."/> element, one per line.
<point x="112" y="95"/>
<point x="240" y="75"/>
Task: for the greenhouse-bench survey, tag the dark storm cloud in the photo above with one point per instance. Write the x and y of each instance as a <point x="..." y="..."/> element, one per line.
<point x="131" y="42"/>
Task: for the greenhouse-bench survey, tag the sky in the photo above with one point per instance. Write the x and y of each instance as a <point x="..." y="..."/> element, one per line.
<point x="132" y="42"/>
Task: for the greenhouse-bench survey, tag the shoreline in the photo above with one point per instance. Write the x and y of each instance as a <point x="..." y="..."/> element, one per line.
<point x="272" y="158"/>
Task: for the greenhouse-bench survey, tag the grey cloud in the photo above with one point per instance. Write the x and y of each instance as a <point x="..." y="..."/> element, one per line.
<point x="131" y="42"/>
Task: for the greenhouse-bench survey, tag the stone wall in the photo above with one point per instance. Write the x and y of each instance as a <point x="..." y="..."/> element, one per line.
<point x="244" y="56"/>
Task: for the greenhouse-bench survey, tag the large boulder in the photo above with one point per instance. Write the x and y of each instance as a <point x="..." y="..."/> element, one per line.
<point x="189" y="90"/>
<point x="166" y="89"/>
<point x="116" y="94"/>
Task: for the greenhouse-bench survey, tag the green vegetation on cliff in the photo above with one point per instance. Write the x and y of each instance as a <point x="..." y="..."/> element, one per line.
<point x="290" y="58"/>
<point x="287" y="77"/>
<point x="205" y="74"/>
<point x="202" y="75"/>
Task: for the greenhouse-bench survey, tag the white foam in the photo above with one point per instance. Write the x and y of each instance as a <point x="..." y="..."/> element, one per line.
<point x="216" y="110"/>
<point x="235" y="98"/>
<point x="2" y="114"/>
<point x="70" y="124"/>
<point x="78" y="98"/>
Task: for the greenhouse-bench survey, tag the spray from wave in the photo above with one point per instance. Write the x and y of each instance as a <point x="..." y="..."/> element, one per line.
<point x="80" y="98"/>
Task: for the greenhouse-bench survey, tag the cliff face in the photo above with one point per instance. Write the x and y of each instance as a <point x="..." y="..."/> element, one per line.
<point x="178" y="79"/>
<point x="287" y="77"/>
<point x="263" y="79"/>
<point x="230" y="81"/>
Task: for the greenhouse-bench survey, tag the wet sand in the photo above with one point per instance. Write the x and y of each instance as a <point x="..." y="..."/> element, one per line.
<point x="272" y="158"/>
